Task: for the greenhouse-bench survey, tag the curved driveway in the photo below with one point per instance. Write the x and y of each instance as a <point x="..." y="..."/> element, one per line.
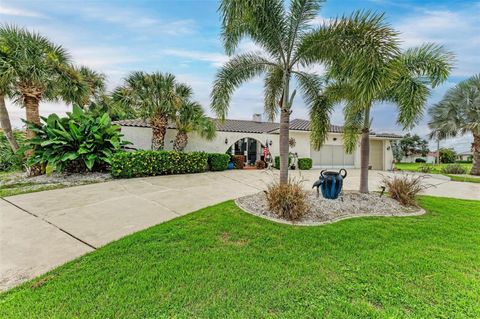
<point x="40" y="231"/>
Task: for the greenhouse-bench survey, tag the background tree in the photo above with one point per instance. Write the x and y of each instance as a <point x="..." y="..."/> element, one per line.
<point x="413" y="144"/>
<point x="154" y="97"/>
<point x="447" y="155"/>
<point x="380" y="72"/>
<point x="5" y="90"/>
<point x="38" y="70"/>
<point x="458" y="113"/>
<point x="190" y="117"/>
<point x="290" y="45"/>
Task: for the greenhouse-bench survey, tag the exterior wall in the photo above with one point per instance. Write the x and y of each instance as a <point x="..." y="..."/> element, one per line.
<point x="141" y="138"/>
<point x="411" y="159"/>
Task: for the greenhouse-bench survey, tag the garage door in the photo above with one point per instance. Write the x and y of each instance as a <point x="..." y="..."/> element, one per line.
<point x="376" y="155"/>
<point x="332" y="156"/>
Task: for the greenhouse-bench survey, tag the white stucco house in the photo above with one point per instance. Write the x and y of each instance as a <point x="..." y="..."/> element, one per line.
<point x="249" y="138"/>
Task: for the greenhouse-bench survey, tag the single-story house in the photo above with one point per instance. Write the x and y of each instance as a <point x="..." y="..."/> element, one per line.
<point x="430" y="158"/>
<point x="249" y="138"/>
<point x="465" y="156"/>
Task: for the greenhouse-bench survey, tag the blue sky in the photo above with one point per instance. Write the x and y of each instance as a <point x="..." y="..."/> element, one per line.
<point x="182" y="37"/>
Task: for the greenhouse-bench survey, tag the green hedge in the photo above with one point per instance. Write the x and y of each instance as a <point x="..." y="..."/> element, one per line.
<point x="277" y="162"/>
<point x="150" y="163"/>
<point x="218" y="161"/>
<point x="305" y="163"/>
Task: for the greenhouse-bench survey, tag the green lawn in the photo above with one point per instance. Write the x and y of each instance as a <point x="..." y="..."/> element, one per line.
<point x="436" y="168"/>
<point x="221" y="262"/>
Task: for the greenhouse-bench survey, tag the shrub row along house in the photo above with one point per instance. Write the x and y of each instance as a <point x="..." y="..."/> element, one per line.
<point x="250" y="138"/>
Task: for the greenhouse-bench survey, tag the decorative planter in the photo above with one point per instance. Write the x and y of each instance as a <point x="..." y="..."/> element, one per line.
<point x="331" y="183"/>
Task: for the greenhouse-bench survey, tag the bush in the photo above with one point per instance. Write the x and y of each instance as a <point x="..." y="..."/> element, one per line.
<point x="277" y="162"/>
<point x="260" y="164"/>
<point x="9" y="160"/>
<point x="288" y="201"/>
<point x="404" y="188"/>
<point x="239" y="161"/>
<point x="425" y="169"/>
<point x="305" y="163"/>
<point x="218" y="161"/>
<point x="454" y="169"/>
<point x="447" y="155"/>
<point x="151" y="163"/>
<point x="79" y="142"/>
<point x="420" y="160"/>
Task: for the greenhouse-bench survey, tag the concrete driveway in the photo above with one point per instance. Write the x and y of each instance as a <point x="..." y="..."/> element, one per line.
<point x="40" y="231"/>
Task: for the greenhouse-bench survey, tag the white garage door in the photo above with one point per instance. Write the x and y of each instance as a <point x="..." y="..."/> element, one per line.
<point x="331" y="156"/>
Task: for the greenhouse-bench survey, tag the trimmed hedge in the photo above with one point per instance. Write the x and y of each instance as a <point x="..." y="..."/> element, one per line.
<point x="218" y="161"/>
<point x="277" y="162"/>
<point x="420" y="160"/>
<point x="151" y="163"/>
<point x="305" y="163"/>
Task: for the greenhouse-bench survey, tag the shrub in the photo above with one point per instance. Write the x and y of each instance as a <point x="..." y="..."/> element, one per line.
<point x="305" y="163"/>
<point x="150" y="163"/>
<point x="277" y="161"/>
<point x="78" y="142"/>
<point x="239" y="161"/>
<point x="8" y="159"/>
<point x="447" y="155"/>
<point x="425" y="169"/>
<point x="454" y="169"/>
<point x="420" y="160"/>
<point x="218" y="161"/>
<point x="260" y="164"/>
<point x="288" y="201"/>
<point x="404" y="188"/>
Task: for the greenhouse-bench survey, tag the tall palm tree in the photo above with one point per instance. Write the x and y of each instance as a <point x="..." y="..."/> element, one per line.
<point x="380" y="72"/>
<point x="95" y="84"/>
<point x="291" y="44"/>
<point x="153" y="96"/>
<point x="458" y="113"/>
<point x="38" y="69"/>
<point x="190" y="117"/>
<point x="5" y="90"/>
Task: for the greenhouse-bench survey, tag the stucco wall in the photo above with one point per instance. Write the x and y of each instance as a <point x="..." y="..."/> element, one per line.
<point x="141" y="139"/>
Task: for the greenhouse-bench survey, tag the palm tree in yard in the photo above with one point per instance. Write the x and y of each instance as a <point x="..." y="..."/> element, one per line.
<point x="6" y="90"/>
<point x="155" y="97"/>
<point x="37" y="70"/>
<point x="190" y="117"/>
<point x="458" y="113"/>
<point x="381" y="72"/>
<point x="289" y="45"/>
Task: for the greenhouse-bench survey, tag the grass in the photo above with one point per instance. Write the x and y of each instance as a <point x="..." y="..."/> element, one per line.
<point x="22" y="187"/>
<point x="221" y="262"/>
<point x="436" y="168"/>
<point x="464" y="178"/>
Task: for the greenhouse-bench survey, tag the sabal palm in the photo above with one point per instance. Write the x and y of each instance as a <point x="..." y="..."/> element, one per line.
<point x="458" y="113"/>
<point x="153" y="96"/>
<point x="382" y="73"/>
<point x="95" y="84"/>
<point x="291" y="45"/>
<point x="190" y="117"/>
<point x="37" y="70"/>
<point x="6" y="91"/>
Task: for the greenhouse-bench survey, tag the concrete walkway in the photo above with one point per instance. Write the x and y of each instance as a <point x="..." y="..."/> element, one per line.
<point x="40" y="231"/>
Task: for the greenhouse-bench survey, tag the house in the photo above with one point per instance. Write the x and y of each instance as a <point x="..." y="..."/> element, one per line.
<point x="249" y="138"/>
<point x="465" y="156"/>
<point x="431" y="158"/>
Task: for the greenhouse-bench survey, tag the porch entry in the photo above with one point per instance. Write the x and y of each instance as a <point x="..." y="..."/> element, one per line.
<point x="250" y="148"/>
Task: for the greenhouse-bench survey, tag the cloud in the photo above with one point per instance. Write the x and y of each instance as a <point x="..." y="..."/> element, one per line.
<point x="11" y="11"/>
<point x="215" y="59"/>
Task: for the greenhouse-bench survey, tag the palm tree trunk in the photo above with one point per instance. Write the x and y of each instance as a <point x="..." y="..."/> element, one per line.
<point x="284" y="132"/>
<point x="159" y="128"/>
<point x="476" y="155"/>
<point x="6" y="126"/>
<point x="365" y="152"/>
<point x="181" y="140"/>
<point x="33" y="114"/>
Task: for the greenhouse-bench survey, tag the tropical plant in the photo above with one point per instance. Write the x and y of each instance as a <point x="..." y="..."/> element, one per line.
<point x="454" y="169"/>
<point x="10" y="159"/>
<point x="405" y="188"/>
<point x="290" y="45"/>
<point x="288" y="201"/>
<point x="381" y="72"/>
<point x="37" y="70"/>
<point x="190" y="117"/>
<point x="78" y="142"/>
<point x="447" y="155"/>
<point x="95" y="87"/>
<point x="459" y="113"/>
<point x="155" y="97"/>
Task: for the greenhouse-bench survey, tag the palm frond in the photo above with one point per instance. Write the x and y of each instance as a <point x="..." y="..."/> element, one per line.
<point x="273" y="88"/>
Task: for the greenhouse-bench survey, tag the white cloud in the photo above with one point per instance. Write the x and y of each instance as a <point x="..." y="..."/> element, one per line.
<point x="215" y="59"/>
<point x="11" y="11"/>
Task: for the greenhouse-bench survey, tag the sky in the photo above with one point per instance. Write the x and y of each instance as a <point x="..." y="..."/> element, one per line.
<point x="182" y="37"/>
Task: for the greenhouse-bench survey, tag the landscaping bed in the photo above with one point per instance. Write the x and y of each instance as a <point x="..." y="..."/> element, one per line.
<point x="323" y="211"/>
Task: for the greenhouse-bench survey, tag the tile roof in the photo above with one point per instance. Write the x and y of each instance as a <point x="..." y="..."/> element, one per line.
<point x="246" y="126"/>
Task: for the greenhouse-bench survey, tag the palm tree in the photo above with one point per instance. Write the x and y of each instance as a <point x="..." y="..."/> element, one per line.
<point x="291" y="44"/>
<point x="95" y="83"/>
<point x="459" y="113"/>
<point x="190" y="117"/>
<point x="5" y="90"/>
<point x="38" y="70"/>
<point x="154" y="97"/>
<point x="380" y="72"/>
